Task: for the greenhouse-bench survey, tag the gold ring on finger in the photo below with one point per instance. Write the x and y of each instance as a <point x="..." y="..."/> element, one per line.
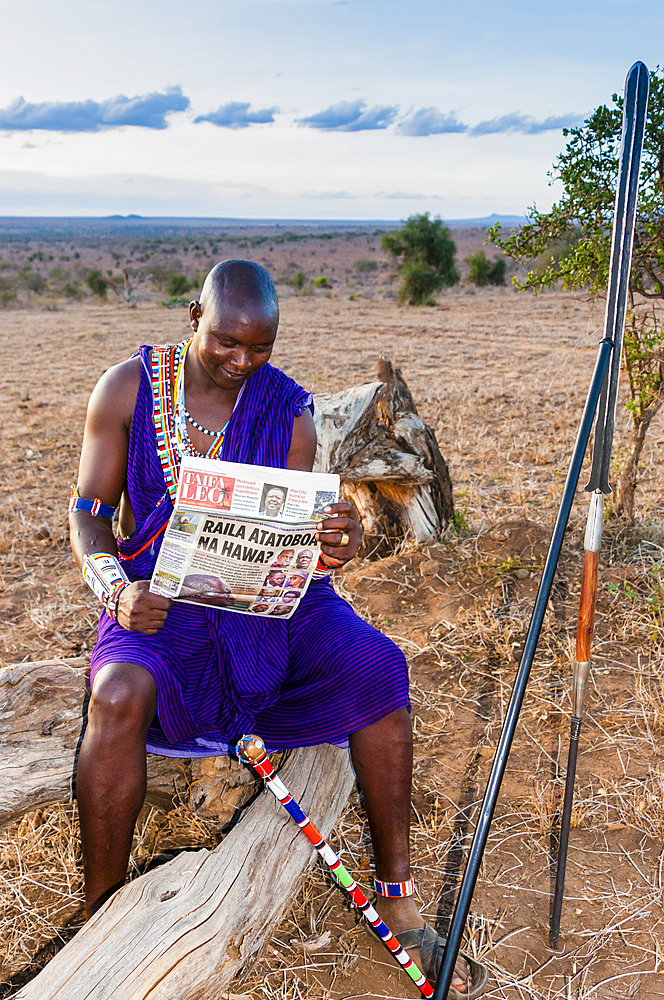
<point x="344" y="538"/>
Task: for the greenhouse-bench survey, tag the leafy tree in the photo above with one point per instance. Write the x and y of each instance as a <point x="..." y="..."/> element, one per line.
<point x="96" y="283"/>
<point x="177" y="285"/>
<point x="72" y="291"/>
<point x="579" y="225"/>
<point x="7" y="292"/>
<point x="299" y="280"/>
<point x="427" y="251"/>
<point x="484" y="272"/>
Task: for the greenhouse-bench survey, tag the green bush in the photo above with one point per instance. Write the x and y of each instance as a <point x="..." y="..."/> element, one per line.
<point x="299" y="280"/>
<point x="96" y="283"/>
<point x="175" y="300"/>
<point x="321" y="282"/>
<point x="363" y="264"/>
<point x="427" y="251"/>
<point x="177" y="285"/>
<point x="29" y="279"/>
<point x="485" y="272"/>
<point x="420" y="281"/>
<point x="72" y="291"/>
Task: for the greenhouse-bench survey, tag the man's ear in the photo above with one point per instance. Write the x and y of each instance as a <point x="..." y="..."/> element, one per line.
<point x="195" y="313"/>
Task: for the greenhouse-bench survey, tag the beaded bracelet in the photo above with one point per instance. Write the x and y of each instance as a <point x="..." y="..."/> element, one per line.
<point x="106" y="578"/>
<point x="111" y="602"/>
<point x="321" y="571"/>
<point x="395" y="889"/>
<point x="94" y="507"/>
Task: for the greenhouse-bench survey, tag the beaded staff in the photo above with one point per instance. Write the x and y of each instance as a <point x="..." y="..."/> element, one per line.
<point x="251" y="751"/>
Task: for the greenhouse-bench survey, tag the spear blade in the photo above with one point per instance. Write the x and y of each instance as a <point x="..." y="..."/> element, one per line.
<point x="635" y="106"/>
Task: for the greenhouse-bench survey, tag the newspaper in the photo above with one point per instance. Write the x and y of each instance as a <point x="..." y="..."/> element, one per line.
<point x="243" y="537"/>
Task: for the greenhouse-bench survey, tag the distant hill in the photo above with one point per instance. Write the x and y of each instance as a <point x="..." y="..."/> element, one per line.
<point x="509" y="221"/>
<point x="82" y="227"/>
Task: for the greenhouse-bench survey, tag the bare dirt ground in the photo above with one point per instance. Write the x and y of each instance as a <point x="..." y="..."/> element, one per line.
<point x="502" y="378"/>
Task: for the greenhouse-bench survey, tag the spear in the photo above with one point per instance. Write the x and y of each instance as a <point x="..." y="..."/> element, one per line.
<point x="634" y="121"/>
<point x="636" y="96"/>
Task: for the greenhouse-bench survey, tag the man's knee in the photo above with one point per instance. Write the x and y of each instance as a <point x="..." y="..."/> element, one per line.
<point x="124" y="696"/>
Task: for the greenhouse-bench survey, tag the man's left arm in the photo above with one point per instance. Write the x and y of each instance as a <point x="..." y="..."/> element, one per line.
<point x="342" y="522"/>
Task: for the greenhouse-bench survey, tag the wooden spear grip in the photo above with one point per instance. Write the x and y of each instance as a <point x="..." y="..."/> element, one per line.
<point x="584" y="627"/>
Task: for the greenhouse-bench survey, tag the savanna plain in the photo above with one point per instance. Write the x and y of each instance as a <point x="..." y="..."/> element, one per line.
<point x="501" y="377"/>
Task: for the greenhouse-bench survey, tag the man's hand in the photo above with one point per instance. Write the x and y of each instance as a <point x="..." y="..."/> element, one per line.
<point x="331" y="533"/>
<point x="141" y="611"/>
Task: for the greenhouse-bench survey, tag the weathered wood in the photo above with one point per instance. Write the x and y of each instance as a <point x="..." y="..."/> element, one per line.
<point x="183" y="931"/>
<point x="40" y="724"/>
<point x="389" y="461"/>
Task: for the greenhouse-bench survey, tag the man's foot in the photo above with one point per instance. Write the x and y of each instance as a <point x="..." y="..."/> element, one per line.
<point x="401" y="914"/>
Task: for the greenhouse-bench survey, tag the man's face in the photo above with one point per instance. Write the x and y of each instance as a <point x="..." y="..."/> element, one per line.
<point x="276" y="577"/>
<point x="231" y="341"/>
<point x="274" y="501"/>
<point x="304" y="558"/>
<point x="285" y="558"/>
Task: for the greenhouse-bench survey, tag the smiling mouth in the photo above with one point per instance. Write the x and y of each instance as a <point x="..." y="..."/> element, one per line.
<point x="236" y="376"/>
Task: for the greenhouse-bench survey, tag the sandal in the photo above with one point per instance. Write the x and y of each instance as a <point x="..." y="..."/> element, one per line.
<point x="432" y="946"/>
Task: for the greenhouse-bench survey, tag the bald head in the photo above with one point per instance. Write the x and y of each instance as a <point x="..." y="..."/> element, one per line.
<point x="240" y="286"/>
<point x="235" y="323"/>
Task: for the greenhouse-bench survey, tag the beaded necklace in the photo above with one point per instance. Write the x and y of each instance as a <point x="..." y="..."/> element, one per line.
<point x="173" y="441"/>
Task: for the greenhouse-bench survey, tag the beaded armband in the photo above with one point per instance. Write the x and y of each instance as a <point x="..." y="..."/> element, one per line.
<point x="95" y="506"/>
<point x="106" y="578"/>
<point x="396" y="889"/>
<point x="321" y="570"/>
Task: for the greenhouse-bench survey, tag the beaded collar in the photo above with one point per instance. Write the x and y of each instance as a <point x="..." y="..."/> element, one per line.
<point x="173" y="441"/>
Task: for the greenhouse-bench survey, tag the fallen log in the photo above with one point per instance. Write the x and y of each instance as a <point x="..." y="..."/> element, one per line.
<point x="389" y="461"/>
<point x="40" y="726"/>
<point x="183" y="931"/>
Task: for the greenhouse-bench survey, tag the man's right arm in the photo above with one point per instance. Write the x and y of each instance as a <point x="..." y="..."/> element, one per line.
<point x="103" y="475"/>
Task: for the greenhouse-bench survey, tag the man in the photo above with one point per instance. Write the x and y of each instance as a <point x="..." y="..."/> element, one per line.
<point x="273" y="502"/>
<point x="304" y="559"/>
<point x="275" y="578"/>
<point x="181" y="679"/>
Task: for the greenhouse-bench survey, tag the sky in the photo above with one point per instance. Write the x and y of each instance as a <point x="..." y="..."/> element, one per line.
<point x="303" y="109"/>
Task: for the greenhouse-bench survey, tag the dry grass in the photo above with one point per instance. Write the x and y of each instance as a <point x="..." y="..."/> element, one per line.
<point x="505" y="409"/>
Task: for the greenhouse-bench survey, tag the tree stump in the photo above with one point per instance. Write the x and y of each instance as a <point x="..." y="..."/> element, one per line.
<point x="389" y="461"/>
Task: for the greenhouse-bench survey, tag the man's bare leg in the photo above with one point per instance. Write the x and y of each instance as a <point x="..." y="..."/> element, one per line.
<point x="111" y="775"/>
<point x="382" y="756"/>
